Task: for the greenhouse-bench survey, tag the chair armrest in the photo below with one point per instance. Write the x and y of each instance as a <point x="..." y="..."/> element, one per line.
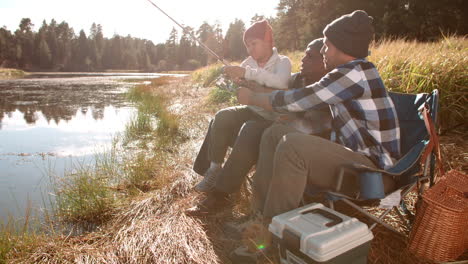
<point x="400" y="167"/>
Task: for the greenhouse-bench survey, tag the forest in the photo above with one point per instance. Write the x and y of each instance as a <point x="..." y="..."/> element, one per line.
<point x="57" y="47"/>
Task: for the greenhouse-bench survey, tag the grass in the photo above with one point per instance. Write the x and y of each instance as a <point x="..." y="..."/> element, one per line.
<point x="7" y="73"/>
<point x="412" y="67"/>
<point x="206" y="75"/>
<point x="152" y="118"/>
<point x="84" y="195"/>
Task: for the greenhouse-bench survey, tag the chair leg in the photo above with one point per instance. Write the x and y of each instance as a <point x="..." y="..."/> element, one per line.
<point x="402" y="218"/>
<point x="375" y="219"/>
<point x="407" y="212"/>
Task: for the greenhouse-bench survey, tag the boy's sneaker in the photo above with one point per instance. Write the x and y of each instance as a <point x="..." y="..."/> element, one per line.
<point x="208" y="182"/>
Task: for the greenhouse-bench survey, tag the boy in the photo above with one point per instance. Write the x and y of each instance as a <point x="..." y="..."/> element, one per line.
<point x="264" y="66"/>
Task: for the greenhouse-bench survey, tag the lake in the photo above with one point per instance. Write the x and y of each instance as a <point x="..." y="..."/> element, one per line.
<point x="48" y="122"/>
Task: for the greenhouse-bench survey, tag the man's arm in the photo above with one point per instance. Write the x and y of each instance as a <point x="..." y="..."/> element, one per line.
<point x="255" y="86"/>
<point x="248" y="97"/>
<point x="336" y="87"/>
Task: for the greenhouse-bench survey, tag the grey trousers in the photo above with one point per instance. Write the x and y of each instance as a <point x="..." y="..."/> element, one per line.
<point x="240" y="128"/>
<point x="290" y="160"/>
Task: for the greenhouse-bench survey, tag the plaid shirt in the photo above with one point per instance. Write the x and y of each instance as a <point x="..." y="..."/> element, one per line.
<point x="364" y="117"/>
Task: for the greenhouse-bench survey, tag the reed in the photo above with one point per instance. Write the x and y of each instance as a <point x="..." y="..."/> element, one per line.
<point x="206" y="75"/>
<point x="83" y="194"/>
<point x="6" y="73"/>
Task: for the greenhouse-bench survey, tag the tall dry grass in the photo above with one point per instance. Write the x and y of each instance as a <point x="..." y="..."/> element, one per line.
<point x="7" y="73"/>
<point x="414" y="67"/>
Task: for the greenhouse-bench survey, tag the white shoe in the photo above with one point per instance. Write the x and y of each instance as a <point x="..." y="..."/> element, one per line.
<point x="208" y="182"/>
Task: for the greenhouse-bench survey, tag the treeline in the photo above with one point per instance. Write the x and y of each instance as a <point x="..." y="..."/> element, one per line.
<point x="299" y="21"/>
<point x="56" y="46"/>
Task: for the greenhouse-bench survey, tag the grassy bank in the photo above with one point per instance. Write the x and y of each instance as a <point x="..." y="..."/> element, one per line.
<point x="90" y="194"/>
<point x="6" y="73"/>
<point x="87" y="196"/>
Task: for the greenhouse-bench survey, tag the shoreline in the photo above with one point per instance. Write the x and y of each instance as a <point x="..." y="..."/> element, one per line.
<point x="10" y="74"/>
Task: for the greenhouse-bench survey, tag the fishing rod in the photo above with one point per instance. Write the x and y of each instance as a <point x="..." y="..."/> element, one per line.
<point x="191" y="35"/>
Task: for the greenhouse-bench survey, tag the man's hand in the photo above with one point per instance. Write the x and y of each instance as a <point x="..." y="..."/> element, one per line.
<point x="234" y="72"/>
<point x="244" y="95"/>
<point x="284" y="118"/>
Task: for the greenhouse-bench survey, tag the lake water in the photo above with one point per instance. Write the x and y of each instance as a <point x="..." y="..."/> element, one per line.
<point x="49" y="121"/>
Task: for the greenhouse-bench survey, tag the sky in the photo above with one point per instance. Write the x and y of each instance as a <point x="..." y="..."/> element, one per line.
<point x="135" y="17"/>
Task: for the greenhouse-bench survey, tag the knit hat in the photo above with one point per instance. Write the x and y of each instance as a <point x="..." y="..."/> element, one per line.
<point x="259" y="30"/>
<point x="351" y="33"/>
<point x="316" y="44"/>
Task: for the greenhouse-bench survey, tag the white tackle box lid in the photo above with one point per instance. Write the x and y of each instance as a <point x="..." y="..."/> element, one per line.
<point x="324" y="233"/>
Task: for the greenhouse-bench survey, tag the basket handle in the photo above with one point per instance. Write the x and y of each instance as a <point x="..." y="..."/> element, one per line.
<point x="434" y="144"/>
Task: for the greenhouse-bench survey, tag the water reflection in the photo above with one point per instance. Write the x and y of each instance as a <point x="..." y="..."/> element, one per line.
<point x="47" y="122"/>
<point x="59" y="98"/>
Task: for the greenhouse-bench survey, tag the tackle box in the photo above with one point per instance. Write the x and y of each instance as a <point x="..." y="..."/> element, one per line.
<point x="317" y="234"/>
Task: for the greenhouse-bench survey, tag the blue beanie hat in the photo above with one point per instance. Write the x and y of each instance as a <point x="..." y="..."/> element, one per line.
<point x="351" y="33"/>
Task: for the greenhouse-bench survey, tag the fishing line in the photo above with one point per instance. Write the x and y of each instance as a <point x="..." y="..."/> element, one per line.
<point x="191" y="35"/>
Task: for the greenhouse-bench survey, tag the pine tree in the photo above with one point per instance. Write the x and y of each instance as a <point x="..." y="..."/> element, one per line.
<point x="235" y="40"/>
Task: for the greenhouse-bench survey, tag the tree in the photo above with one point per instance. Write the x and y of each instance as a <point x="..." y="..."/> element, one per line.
<point x="25" y="43"/>
<point x="171" y="47"/>
<point x="7" y="48"/>
<point x="235" y="40"/>
<point x="51" y="39"/>
<point x="184" y="53"/>
<point x="65" y="36"/>
<point x="45" y="56"/>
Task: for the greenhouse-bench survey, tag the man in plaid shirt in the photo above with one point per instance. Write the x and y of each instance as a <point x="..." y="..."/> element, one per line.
<point x="364" y="121"/>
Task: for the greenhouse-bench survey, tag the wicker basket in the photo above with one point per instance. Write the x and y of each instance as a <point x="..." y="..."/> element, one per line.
<point x="459" y="181"/>
<point x="440" y="229"/>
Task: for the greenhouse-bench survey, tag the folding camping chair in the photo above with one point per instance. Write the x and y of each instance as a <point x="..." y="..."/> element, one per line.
<point x="407" y="172"/>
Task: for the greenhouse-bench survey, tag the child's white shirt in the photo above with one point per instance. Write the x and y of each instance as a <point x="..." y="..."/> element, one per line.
<point x="275" y="74"/>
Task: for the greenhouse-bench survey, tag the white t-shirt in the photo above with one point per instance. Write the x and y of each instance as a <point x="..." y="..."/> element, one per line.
<point x="275" y="74"/>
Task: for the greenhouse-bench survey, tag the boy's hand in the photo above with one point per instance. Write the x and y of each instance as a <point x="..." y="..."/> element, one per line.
<point x="243" y="95"/>
<point x="234" y="72"/>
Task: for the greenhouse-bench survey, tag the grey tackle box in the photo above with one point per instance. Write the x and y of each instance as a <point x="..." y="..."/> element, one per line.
<point x="317" y="234"/>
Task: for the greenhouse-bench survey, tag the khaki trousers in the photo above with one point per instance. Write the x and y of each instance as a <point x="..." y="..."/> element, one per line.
<point x="290" y="160"/>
